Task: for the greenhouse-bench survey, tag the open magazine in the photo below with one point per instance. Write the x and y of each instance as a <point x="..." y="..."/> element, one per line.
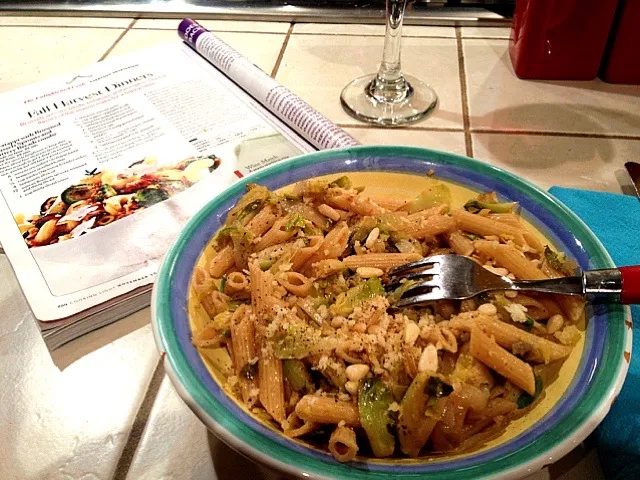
<point x="100" y="169"/>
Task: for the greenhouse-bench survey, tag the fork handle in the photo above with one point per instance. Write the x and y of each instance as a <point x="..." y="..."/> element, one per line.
<point x="630" y="291"/>
<point x="617" y="285"/>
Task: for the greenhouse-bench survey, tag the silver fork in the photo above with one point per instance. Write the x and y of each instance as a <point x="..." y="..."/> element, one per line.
<point x="455" y="277"/>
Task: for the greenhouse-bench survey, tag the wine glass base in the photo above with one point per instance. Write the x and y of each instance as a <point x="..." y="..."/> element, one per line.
<point x="359" y="103"/>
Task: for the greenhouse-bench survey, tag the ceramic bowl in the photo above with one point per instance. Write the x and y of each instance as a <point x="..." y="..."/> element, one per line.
<point x="580" y="398"/>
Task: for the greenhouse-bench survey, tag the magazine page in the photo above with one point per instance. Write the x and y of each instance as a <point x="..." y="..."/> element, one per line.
<point x="290" y="108"/>
<point x="100" y="170"/>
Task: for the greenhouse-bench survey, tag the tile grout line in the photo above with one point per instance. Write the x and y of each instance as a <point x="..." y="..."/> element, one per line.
<point x="409" y="128"/>
<point x="463" y="92"/>
<point x="215" y="32"/>
<point x="26" y="25"/>
<point x="120" y="37"/>
<point x="139" y="423"/>
<point x="543" y="133"/>
<point x="285" y="42"/>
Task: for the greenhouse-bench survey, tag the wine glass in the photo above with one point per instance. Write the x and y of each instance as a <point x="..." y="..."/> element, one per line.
<point x="389" y="97"/>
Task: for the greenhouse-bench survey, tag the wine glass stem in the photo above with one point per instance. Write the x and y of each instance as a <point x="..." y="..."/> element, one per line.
<point x="389" y="84"/>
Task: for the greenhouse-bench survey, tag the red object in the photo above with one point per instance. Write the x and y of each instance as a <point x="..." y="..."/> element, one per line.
<point x="630" y="284"/>
<point x="560" y="39"/>
<point x="621" y="63"/>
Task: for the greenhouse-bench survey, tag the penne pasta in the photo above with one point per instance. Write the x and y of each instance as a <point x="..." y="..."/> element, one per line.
<point x="342" y="444"/>
<point x="510" y="258"/>
<point x="385" y="261"/>
<point x="460" y="244"/>
<point x="333" y="244"/>
<point x="485" y="349"/>
<point x="295" y="282"/>
<point x="275" y="235"/>
<point x="434" y="225"/>
<point x="236" y="282"/>
<point x="263" y="221"/>
<point x="222" y="262"/>
<point x="261" y="291"/>
<point x="355" y="204"/>
<point x="487" y="226"/>
<point x="301" y="255"/>
<point x="388" y="203"/>
<point x="515" y="261"/>
<point x="272" y="385"/>
<point x="244" y="353"/>
<point x="318" y="409"/>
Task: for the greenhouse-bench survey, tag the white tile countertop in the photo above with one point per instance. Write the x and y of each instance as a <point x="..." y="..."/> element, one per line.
<point x="101" y="406"/>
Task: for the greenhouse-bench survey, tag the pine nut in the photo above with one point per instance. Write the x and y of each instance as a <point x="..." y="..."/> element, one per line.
<point x="373" y="236"/>
<point x="555" y="323"/>
<point x="329" y="212"/>
<point x="351" y="387"/>
<point x="357" y="371"/>
<point x="487" y="309"/>
<point x="360" y="327"/>
<point x="369" y="272"/>
<point x="411" y="332"/>
<point x="336" y="322"/>
<point x="429" y="359"/>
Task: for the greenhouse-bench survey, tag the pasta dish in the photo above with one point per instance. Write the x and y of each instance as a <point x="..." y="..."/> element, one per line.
<point x="103" y="197"/>
<point x="299" y="316"/>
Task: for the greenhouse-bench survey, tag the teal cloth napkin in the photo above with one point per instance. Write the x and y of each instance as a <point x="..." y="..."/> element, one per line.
<point x="615" y="220"/>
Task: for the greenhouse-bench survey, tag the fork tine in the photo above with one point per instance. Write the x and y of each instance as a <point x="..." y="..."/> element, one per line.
<point x="431" y="296"/>
<point x="395" y="282"/>
<point x="432" y="263"/>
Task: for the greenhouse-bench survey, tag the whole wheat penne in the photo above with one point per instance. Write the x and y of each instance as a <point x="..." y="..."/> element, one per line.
<point x="301" y="255"/>
<point x="263" y="220"/>
<point x="244" y="351"/>
<point x="275" y="235"/>
<point x="390" y="203"/>
<point x="272" y="385"/>
<point x="295" y="283"/>
<point x="480" y="225"/>
<point x="342" y="444"/>
<point x="236" y="282"/>
<point x="536" y="310"/>
<point x="511" y="258"/>
<point x="222" y="262"/>
<point x="355" y="204"/>
<point x="508" y="218"/>
<point x="434" y="225"/>
<point x="202" y="282"/>
<point x="261" y="290"/>
<point x="542" y="350"/>
<point x="214" y="303"/>
<point x="314" y="408"/>
<point x="333" y="244"/>
<point x="304" y="429"/>
<point x="385" y="261"/>
<point x="460" y="244"/>
<point x="485" y="349"/>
